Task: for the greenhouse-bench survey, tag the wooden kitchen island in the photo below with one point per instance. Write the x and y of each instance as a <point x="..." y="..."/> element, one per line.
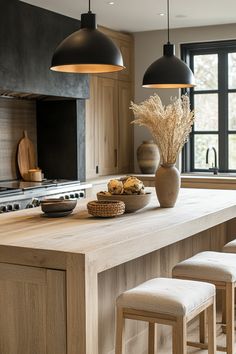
<point x="59" y="278"/>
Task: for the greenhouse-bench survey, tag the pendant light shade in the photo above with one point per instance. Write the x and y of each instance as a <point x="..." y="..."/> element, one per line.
<point x="87" y="50"/>
<point x="168" y="71"/>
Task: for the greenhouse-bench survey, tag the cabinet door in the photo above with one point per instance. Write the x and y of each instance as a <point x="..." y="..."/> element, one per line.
<point x="92" y="130"/>
<point x="111" y="75"/>
<point x="108" y="125"/>
<point x="32" y="310"/>
<point x="125" y="137"/>
<point x="126" y="48"/>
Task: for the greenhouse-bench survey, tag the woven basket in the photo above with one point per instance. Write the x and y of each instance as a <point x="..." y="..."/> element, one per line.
<point x="105" y="208"/>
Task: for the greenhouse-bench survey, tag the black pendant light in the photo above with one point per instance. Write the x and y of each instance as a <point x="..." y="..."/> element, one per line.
<point x="168" y="71"/>
<point x="87" y="50"/>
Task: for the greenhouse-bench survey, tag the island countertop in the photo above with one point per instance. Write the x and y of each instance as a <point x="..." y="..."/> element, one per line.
<point x="109" y="242"/>
<point x="72" y="269"/>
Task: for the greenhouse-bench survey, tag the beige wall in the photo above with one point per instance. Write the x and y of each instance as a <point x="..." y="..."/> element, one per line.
<point x="149" y="47"/>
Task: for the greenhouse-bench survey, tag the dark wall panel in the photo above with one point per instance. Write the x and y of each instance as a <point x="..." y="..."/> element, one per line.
<point x="57" y="139"/>
<point x="28" y="37"/>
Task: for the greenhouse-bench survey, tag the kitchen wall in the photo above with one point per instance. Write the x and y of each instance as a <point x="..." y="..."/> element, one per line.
<point x="16" y="115"/>
<point x="149" y="47"/>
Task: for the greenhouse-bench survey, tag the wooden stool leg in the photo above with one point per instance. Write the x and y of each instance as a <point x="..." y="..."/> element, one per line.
<point x="202" y="327"/>
<point x="211" y="316"/>
<point x="223" y="311"/>
<point x="179" y="336"/>
<point x="229" y="303"/>
<point x="223" y="307"/>
<point x="120" y="327"/>
<point x="151" y="338"/>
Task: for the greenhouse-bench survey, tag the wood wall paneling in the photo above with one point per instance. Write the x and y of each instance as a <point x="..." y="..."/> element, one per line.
<point x="15" y="116"/>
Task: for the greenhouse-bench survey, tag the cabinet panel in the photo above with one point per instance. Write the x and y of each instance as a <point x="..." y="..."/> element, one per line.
<point x="108" y="125"/>
<point x="109" y="138"/>
<point x="125" y="137"/>
<point x="92" y="130"/>
<point x="33" y="310"/>
<point x="112" y="75"/>
<point x="126" y="48"/>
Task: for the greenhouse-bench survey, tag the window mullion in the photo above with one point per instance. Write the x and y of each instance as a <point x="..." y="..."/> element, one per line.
<point x="223" y="110"/>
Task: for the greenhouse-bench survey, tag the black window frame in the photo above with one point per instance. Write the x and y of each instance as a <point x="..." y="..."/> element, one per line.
<point x="222" y="48"/>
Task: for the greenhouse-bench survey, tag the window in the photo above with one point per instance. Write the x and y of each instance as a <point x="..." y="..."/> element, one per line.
<point x="214" y="103"/>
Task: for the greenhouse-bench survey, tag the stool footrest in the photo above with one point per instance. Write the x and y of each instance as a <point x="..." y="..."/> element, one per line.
<point x="205" y="346"/>
<point x="223" y="326"/>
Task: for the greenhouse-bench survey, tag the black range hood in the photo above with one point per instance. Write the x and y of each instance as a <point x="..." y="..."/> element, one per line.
<point x="28" y="38"/>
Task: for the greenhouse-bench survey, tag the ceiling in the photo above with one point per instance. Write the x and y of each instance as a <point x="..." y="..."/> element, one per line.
<point x="143" y="15"/>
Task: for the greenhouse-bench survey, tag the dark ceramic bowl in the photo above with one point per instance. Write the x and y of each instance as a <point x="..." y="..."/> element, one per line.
<point x="58" y="205"/>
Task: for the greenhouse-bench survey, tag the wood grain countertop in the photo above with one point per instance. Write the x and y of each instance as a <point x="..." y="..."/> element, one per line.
<point x="109" y="242"/>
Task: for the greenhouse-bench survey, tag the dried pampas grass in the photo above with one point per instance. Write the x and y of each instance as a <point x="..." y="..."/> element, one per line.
<point x="169" y="125"/>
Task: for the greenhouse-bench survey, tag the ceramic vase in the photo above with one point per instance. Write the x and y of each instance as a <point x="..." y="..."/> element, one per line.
<point x="148" y="157"/>
<point x="167" y="183"/>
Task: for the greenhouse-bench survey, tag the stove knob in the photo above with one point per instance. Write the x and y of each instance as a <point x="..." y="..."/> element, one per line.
<point x="16" y="206"/>
<point x="67" y="196"/>
<point x="81" y="194"/>
<point x="77" y="195"/>
<point x="9" y="207"/>
<point x="3" y="209"/>
<point x="72" y="195"/>
<point x="30" y="205"/>
<point x="35" y="202"/>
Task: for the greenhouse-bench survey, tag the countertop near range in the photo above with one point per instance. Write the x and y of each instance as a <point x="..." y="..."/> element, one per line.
<point x="109" y="242"/>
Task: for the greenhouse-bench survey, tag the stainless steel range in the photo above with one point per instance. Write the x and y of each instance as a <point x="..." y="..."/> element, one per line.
<point x="16" y="195"/>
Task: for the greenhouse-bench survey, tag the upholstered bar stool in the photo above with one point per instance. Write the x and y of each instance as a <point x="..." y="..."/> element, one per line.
<point x="230" y="247"/>
<point x="219" y="269"/>
<point x="167" y="301"/>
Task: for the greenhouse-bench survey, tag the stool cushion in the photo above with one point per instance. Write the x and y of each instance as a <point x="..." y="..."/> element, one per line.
<point x="168" y="296"/>
<point x="215" y="266"/>
<point x="230" y="247"/>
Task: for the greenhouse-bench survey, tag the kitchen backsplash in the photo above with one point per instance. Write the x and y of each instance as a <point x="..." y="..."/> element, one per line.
<point x="16" y="115"/>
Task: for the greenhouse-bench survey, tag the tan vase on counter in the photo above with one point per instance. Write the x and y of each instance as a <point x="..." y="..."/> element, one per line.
<point x="167" y="183"/>
<point x="148" y="157"/>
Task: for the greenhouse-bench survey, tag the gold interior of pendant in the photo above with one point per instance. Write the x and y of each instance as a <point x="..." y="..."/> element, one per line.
<point x="168" y="85"/>
<point x="87" y="68"/>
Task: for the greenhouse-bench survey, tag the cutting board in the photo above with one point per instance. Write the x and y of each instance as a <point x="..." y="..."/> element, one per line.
<point x="26" y="156"/>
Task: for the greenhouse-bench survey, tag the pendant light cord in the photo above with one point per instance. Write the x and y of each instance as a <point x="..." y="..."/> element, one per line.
<point x="89" y="11"/>
<point x="168" y="21"/>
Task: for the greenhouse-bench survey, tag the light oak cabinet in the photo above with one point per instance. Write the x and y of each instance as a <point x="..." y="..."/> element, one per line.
<point x="107" y="109"/>
<point x="109" y="134"/>
<point x="127" y="51"/>
<point x="125" y="43"/>
<point x="125" y="128"/>
<point x="33" y="310"/>
<point x="91" y="127"/>
<point x="102" y="127"/>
